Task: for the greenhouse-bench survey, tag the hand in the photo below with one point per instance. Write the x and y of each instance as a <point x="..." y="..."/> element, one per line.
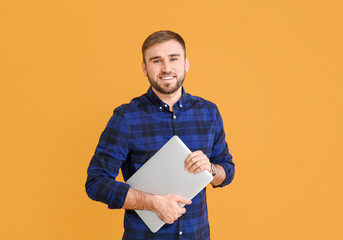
<point x="167" y="207"/>
<point x="197" y="161"/>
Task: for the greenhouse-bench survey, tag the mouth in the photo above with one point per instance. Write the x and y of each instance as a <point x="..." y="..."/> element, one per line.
<point x="166" y="77"/>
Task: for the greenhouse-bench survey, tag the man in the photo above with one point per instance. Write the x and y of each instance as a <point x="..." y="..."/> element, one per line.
<point x="139" y="129"/>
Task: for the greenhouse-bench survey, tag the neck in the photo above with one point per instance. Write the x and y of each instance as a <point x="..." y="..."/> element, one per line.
<point x="169" y="99"/>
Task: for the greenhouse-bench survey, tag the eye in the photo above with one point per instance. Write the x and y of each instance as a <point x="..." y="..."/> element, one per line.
<point x="173" y="59"/>
<point x="156" y="61"/>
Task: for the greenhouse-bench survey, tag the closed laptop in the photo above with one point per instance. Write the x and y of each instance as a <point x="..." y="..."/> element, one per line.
<point x="164" y="174"/>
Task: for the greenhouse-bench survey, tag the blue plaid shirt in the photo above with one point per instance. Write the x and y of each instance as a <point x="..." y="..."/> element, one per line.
<point x="135" y="132"/>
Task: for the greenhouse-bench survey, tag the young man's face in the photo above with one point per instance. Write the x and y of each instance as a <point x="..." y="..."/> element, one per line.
<point x="165" y="66"/>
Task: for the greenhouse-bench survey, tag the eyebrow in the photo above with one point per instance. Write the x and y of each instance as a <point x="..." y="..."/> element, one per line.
<point x="170" y="55"/>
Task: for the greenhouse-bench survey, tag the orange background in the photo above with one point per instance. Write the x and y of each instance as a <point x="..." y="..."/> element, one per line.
<point x="274" y="68"/>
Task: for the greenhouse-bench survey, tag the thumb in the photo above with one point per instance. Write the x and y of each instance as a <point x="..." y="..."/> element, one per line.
<point x="183" y="200"/>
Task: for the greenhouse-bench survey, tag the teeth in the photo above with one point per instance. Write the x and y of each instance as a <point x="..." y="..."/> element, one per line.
<point x="167" y="78"/>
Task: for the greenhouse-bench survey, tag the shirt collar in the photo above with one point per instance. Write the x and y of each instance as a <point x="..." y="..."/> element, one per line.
<point x="160" y="104"/>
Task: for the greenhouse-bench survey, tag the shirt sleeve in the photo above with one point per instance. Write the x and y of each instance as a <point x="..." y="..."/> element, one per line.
<point x="220" y="152"/>
<point x="111" y="152"/>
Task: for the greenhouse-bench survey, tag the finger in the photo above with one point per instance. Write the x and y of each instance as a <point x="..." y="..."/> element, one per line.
<point x="191" y="155"/>
<point x="200" y="169"/>
<point x="202" y="163"/>
<point x="196" y="162"/>
<point x="196" y="157"/>
<point x="169" y="221"/>
<point x="183" y="211"/>
<point x="179" y="212"/>
<point x="193" y="160"/>
<point x="192" y="163"/>
<point x="183" y="200"/>
<point x="174" y="216"/>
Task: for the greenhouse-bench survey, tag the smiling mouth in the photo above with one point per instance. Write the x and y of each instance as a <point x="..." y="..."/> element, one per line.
<point x="164" y="77"/>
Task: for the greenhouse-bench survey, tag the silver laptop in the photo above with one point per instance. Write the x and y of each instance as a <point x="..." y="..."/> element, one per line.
<point x="164" y="174"/>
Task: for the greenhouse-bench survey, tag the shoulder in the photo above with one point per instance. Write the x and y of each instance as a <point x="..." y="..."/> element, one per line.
<point x="134" y="106"/>
<point x="201" y="103"/>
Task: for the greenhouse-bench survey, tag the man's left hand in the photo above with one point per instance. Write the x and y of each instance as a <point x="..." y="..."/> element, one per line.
<point x="197" y="161"/>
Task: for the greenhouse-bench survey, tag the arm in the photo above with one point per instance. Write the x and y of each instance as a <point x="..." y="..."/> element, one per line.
<point x="101" y="185"/>
<point x="111" y="152"/>
<point x="221" y="158"/>
<point x="197" y="161"/>
<point x="166" y="207"/>
<point x="219" y="177"/>
<point x="220" y="153"/>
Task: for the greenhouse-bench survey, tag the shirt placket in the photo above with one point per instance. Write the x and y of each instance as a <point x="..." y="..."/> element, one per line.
<point x="175" y="122"/>
<point x="174" y="118"/>
<point x="181" y="228"/>
<point x="175" y="125"/>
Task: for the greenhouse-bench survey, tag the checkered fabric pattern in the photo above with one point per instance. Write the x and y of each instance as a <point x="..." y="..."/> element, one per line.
<point x="135" y="132"/>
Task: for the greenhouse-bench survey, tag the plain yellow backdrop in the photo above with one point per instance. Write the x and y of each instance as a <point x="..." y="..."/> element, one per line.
<point x="274" y="68"/>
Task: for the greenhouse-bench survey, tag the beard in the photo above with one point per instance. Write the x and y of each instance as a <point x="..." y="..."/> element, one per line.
<point x="166" y="87"/>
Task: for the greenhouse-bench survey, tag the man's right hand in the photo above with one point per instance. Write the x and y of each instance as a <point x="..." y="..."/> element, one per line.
<point x="168" y="207"/>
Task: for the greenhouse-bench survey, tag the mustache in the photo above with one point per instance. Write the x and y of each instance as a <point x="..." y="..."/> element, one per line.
<point x="166" y="73"/>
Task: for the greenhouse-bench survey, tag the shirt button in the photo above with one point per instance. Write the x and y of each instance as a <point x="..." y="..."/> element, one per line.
<point x="165" y="105"/>
<point x="180" y="232"/>
<point x="180" y="105"/>
<point x="161" y="108"/>
<point x="174" y="116"/>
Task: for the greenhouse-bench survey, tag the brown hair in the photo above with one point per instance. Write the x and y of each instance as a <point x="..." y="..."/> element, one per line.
<point x="162" y="36"/>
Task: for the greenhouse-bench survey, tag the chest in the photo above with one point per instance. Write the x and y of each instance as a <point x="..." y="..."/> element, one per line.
<point x="150" y="131"/>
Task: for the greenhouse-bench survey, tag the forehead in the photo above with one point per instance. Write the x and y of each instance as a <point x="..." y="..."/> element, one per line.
<point x="164" y="49"/>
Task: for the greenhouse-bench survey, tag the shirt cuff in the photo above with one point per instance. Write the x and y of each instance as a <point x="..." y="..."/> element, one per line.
<point x="227" y="177"/>
<point x="119" y="196"/>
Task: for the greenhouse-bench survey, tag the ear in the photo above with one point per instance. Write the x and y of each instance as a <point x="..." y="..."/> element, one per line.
<point x="144" y="69"/>
<point x="187" y="64"/>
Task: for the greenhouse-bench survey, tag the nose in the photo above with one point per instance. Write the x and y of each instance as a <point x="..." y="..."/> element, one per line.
<point x="166" y="67"/>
